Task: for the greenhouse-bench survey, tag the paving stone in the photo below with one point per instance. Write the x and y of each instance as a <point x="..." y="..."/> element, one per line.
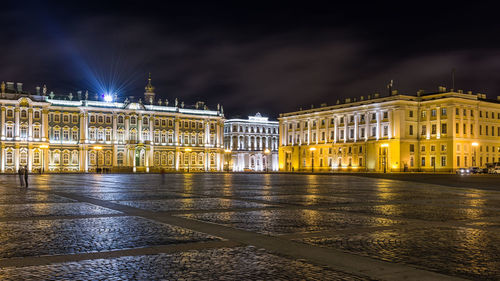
<point x="290" y="221"/>
<point x="52" y="209"/>
<point x="422" y="211"/>
<point x="465" y="252"/>
<point x="191" y="204"/>
<point x="24" y="197"/>
<point x="241" y="263"/>
<point x="69" y="236"/>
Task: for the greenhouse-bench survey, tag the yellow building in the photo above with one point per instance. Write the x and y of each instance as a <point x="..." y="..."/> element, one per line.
<point x="438" y="132"/>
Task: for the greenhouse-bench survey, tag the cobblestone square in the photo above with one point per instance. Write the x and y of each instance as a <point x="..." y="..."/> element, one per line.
<point x="248" y="227"/>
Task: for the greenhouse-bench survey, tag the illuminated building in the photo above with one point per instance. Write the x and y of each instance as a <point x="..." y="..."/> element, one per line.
<point x="75" y="134"/>
<point x="251" y="144"/>
<point x="438" y="132"/>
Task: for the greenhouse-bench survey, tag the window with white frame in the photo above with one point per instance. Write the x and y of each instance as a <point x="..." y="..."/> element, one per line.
<point x="10" y="131"/>
<point x="57" y="134"/>
<point x="9" y="158"/>
<point x="36" y="132"/>
<point x="74" y="158"/>
<point x="66" y="134"/>
<point x="36" y="158"/>
<point x="74" y="135"/>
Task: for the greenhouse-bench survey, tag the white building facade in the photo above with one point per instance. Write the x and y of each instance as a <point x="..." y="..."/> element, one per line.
<point x="251" y="144"/>
<point x="48" y="134"/>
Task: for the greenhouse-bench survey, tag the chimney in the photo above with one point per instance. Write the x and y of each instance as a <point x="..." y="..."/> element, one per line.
<point x="376" y="95"/>
<point x="420" y="93"/>
<point x="441" y="89"/>
<point x="460" y="91"/>
<point x="347" y="100"/>
<point x="394" y="92"/>
<point x="362" y="98"/>
<point x="37" y="90"/>
<point x="469" y="92"/>
<point x="19" y="87"/>
<point x="10" y="86"/>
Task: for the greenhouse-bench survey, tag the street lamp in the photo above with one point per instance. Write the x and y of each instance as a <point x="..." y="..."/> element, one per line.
<point x="266" y="152"/>
<point x="97" y="149"/>
<point x="187" y="150"/>
<point x="474" y="145"/>
<point x="312" y="149"/>
<point x="384" y="147"/>
<point x="227" y="151"/>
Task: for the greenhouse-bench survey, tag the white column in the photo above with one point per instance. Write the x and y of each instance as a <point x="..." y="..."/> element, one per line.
<point x="345" y="128"/>
<point x="335" y="130"/>
<point x="438" y="122"/>
<point x="30" y="127"/>
<point x="113" y="137"/>
<point x="16" y="133"/>
<point x="45" y="124"/>
<point x="2" y="126"/>
<point x="428" y="124"/>
<point x="30" y="157"/>
<point x="378" y="124"/>
<point x="318" y="123"/>
<point x="139" y="128"/>
<point x="367" y="126"/>
<point x="16" y="158"/>
<point x="2" y="158"/>
<point x="127" y="128"/>
<point x="356" y="128"/>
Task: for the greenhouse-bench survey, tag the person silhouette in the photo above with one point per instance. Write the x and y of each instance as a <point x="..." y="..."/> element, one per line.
<point x="26" y="176"/>
<point x="21" y="175"/>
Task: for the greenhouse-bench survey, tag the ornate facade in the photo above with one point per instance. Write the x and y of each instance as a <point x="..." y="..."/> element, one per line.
<point x="66" y="135"/>
<point x="252" y="144"/>
<point x="429" y="132"/>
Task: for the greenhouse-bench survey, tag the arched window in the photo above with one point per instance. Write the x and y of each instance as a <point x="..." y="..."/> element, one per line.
<point x="200" y="158"/>
<point x="92" y="156"/>
<point x="56" y="157"/>
<point x="120" y="119"/>
<point x="156" y="158"/>
<point x="65" y="158"/>
<point x="119" y="158"/>
<point x="36" y="158"/>
<point x="74" y="157"/>
<point x="133" y="121"/>
<point x="109" y="158"/>
<point x="163" y="159"/>
<point x="170" y="158"/>
<point x="23" y="158"/>
<point x="9" y="158"/>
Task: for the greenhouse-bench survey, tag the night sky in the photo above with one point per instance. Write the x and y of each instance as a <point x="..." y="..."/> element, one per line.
<point x="251" y="57"/>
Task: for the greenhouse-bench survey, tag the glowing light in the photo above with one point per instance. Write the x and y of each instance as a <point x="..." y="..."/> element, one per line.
<point x="384" y="145"/>
<point x="266" y="151"/>
<point x="227" y="150"/>
<point x="97" y="147"/>
<point x="188" y="150"/>
<point x="108" y="98"/>
<point x="44" y="146"/>
<point x="312" y="148"/>
<point x="475" y="144"/>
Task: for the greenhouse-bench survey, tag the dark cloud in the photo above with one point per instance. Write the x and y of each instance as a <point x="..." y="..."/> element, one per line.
<point x="272" y="59"/>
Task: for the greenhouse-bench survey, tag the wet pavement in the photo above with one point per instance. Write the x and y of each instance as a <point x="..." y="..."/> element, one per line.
<point x="247" y="226"/>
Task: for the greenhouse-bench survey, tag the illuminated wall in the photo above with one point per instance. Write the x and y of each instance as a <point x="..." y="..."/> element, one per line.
<point x="435" y="132"/>
<point x="55" y="135"/>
